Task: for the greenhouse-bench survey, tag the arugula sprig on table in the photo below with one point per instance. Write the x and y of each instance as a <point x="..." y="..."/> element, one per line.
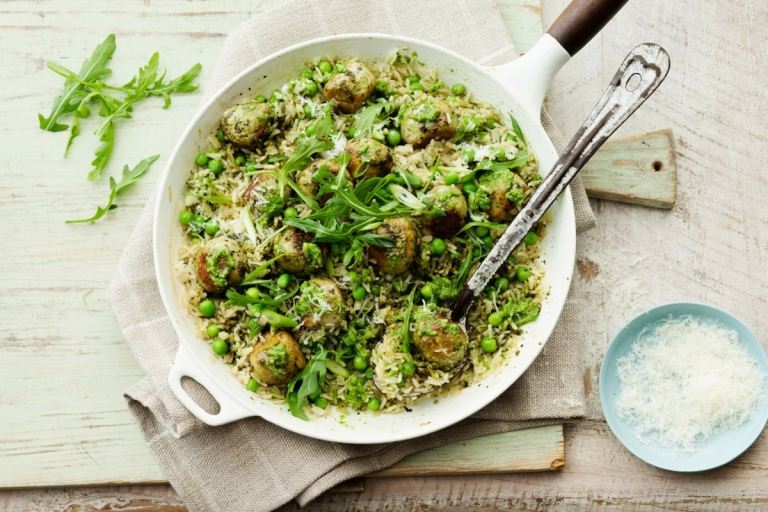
<point x="87" y="89"/>
<point x="130" y="176"/>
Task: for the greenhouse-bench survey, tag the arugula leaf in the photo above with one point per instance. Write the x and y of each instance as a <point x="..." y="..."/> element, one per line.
<point x="87" y="86"/>
<point x="517" y="131"/>
<point x="130" y="176"/>
<point x="183" y="83"/>
<point x="103" y="153"/>
<point x="94" y="68"/>
<point x="366" y="118"/>
<point x="307" y="383"/>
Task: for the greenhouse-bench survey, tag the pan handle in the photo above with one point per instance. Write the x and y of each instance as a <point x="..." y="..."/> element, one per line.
<point x="581" y="21"/>
<point x="184" y="365"/>
<point x="530" y="75"/>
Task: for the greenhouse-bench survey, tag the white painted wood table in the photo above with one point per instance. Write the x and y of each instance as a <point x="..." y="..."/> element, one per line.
<point x="712" y="247"/>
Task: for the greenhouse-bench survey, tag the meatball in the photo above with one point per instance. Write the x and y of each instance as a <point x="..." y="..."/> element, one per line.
<point x="247" y="123"/>
<point x="396" y="259"/>
<point x="451" y="202"/>
<point x="440" y="341"/>
<point x="348" y="90"/>
<point x="305" y="178"/>
<point x="276" y="359"/>
<point x="296" y="251"/>
<point x="219" y="264"/>
<point x="425" y="120"/>
<point x="320" y="304"/>
<point x="264" y="195"/>
<point x="368" y="158"/>
<point x="493" y="194"/>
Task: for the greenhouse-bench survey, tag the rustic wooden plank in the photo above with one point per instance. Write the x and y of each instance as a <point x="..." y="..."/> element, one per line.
<point x="534" y="449"/>
<point x="641" y="169"/>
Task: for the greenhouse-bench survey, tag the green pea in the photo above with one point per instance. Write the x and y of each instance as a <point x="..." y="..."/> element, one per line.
<point x="469" y="154"/>
<point x="359" y="293"/>
<point x="253" y="292"/>
<point x="250" y="167"/>
<point x="495" y="318"/>
<point x="470" y="187"/>
<point x="353" y="276"/>
<point x="416" y="86"/>
<point x="220" y="135"/>
<point x="260" y="99"/>
<point x="199" y="219"/>
<point x="207" y="308"/>
<point x="481" y="231"/>
<point x="374" y="404"/>
<point x="530" y="238"/>
<point x="240" y="160"/>
<point x="283" y="281"/>
<point x="393" y="137"/>
<point x="458" y="89"/>
<point x="311" y="88"/>
<point x="307" y="111"/>
<point x="325" y="66"/>
<point x="407" y="368"/>
<point x="252" y="385"/>
<point x="321" y="402"/>
<point x="185" y="217"/>
<point x="502" y="283"/>
<point x="437" y="246"/>
<point x="522" y="273"/>
<point x="212" y="330"/>
<point x="311" y="130"/>
<point x="451" y="178"/>
<point x="306" y="73"/>
<point x="216" y="166"/>
<point x="500" y="154"/>
<point x="488" y="344"/>
<point x="360" y="363"/>
<point x="426" y="291"/>
<point x="201" y="159"/>
<point x="219" y="347"/>
<point x="211" y="227"/>
<point x="290" y="213"/>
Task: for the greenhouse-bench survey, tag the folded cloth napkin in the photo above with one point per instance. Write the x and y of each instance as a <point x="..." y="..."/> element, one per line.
<point x="252" y="464"/>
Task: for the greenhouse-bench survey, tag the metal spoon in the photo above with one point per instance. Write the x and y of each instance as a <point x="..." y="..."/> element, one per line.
<point x="639" y="75"/>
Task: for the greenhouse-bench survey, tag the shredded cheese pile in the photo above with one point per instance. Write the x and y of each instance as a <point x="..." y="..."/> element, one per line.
<point x="686" y="380"/>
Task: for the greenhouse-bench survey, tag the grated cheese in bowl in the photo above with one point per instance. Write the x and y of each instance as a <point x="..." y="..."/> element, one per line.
<point x="685" y="380"/>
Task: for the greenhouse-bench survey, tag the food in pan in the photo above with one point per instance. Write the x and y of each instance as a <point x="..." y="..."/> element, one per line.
<point x="329" y="225"/>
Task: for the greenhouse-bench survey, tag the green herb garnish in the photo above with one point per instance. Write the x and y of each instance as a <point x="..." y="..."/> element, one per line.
<point x="130" y="176"/>
<point x="87" y="88"/>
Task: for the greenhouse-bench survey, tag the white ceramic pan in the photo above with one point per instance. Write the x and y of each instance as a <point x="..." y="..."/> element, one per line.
<point x="516" y="87"/>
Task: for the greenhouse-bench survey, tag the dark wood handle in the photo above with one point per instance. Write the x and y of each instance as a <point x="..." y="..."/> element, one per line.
<point x="581" y="21"/>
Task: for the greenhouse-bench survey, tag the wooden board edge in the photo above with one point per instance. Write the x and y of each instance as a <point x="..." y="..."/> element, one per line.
<point x="661" y="201"/>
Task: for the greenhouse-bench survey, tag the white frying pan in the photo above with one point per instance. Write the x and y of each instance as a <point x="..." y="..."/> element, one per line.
<point x="517" y="86"/>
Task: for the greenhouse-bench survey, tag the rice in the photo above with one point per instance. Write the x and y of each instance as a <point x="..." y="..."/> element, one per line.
<point x="349" y="315"/>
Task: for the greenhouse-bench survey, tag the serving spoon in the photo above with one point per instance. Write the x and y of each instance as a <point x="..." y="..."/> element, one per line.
<point x="638" y="77"/>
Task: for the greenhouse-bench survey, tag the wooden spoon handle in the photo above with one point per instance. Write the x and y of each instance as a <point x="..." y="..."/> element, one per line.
<point x="637" y="78"/>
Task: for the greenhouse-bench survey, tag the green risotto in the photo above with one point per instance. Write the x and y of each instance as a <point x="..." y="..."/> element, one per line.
<point x="330" y="224"/>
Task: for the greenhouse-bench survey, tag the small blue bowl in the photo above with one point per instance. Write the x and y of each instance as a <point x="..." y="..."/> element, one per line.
<point x="715" y="451"/>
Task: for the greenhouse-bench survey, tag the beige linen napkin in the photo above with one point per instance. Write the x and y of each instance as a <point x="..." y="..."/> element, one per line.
<point x="252" y="464"/>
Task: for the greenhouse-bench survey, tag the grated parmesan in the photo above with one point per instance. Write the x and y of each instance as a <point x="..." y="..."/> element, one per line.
<point x="686" y="380"/>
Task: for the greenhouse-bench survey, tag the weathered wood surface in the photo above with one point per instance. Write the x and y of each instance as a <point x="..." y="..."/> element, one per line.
<point x="712" y="246"/>
<point x="535" y="449"/>
<point x="641" y="169"/>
